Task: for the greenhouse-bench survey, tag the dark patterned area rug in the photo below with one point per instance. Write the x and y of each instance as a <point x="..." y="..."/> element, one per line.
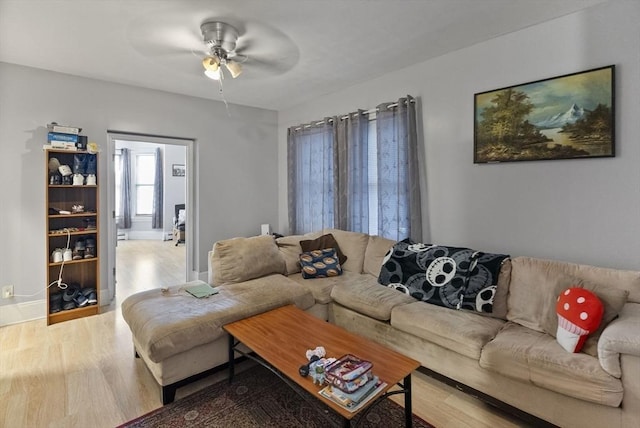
<point x="258" y="398"/>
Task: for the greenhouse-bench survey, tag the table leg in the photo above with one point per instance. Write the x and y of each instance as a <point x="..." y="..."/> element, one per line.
<point x="231" y="357"/>
<point x="408" y="412"/>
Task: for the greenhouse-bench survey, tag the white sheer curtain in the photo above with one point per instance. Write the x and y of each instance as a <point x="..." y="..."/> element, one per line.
<point x="310" y="159"/>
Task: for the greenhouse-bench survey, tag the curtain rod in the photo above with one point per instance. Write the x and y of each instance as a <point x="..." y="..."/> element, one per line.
<point x="373" y="110"/>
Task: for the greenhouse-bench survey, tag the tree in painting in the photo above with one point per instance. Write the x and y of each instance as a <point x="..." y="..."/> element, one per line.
<point x="504" y="128"/>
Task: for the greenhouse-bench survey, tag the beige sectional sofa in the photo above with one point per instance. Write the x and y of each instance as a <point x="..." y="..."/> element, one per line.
<point x="506" y="355"/>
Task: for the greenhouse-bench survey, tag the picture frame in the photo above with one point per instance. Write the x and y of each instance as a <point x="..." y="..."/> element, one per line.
<point x="178" y="170"/>
<point x="565" y="117"/>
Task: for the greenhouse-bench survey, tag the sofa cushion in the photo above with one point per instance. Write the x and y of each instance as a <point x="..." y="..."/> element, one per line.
<point x="353" y="245"/>
<point x="536" y="283"/>
<point x="321" y="287"/>
<point x="166" y="324"/>
<point x="532" y="281"/>
<point x="613" y="300"/>
<point x="320" y="264"/>
<point x="240" y="259"/>
<point x="459" y="331"/>
<point x="377" y="249"/>
<point x="290" y="249"/>
<point x="363" y="294"/>
<point x="502" y="291"/>
<point x="323" y="242"/>
<point x="531" y="356"/>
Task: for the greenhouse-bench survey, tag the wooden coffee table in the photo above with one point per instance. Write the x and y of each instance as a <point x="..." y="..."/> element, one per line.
<point x="280" y="338"/>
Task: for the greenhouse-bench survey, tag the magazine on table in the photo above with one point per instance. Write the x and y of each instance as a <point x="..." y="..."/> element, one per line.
<point x="355" y="400"/>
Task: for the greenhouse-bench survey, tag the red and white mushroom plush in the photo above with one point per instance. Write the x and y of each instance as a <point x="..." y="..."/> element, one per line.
<point x="579" y="313"/>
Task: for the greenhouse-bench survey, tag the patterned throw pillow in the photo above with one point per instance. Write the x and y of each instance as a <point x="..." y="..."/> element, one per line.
<point x="324" y="241"/>
<point x="320" y="263"/>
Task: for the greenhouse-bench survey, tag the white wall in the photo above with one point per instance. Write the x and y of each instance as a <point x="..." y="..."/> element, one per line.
<point x="235" y="162"/>
<point x="585" y="210"/>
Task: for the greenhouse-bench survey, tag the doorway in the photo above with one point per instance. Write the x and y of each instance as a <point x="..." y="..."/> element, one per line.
<point x="150" y="183"/>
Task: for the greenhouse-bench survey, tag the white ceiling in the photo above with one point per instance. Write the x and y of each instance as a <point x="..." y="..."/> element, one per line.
<point x="315" y="46"/>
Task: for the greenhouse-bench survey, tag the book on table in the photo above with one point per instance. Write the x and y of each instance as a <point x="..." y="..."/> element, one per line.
<point x="354" y="400"/>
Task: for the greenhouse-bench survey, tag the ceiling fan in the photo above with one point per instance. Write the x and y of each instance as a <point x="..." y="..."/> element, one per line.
<point x="224" y="46"/>
<point x="221" y="39"/>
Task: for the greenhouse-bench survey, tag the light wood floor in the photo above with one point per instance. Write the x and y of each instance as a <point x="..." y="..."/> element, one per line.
<point x="82" y="373"/>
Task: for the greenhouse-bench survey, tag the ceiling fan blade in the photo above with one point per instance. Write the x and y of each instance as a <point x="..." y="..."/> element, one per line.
<point x="168" y="42"/>
<point x="265" y="51"/>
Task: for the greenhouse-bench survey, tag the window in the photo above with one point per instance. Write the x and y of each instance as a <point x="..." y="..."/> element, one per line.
<point x="145" y="173"/>
<point x="357" y="174"/>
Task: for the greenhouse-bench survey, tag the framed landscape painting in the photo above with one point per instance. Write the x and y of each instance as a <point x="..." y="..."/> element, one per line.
<point x="565" y="117"/>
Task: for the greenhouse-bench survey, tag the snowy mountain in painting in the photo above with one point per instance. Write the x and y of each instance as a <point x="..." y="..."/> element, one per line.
<point x="559" y="120"/>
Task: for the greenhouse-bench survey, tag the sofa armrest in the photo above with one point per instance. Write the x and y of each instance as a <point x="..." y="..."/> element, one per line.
<point x="622" y="336"/>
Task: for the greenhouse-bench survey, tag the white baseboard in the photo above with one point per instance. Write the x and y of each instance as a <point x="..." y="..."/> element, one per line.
<point x="21" y="312"/>
<point x="34" y="310"/>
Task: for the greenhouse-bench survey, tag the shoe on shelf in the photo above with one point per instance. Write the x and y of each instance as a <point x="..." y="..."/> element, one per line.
<point x="91" y="180"/>
<point x="78" y="250"/>
<point x="67" y="255"/>
<point x="91" y="295"/>
<point x="56" y="256"/>
<point x="55" y="303"/>
<point x="68" y="296"/>
<point x="90" y="248"/>
<point x="78" y="179"/>
<point x="80" y="300"/>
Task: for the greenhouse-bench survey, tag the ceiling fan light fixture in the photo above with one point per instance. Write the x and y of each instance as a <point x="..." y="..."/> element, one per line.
<point x="211" y="63"/>
<point x="215" y="75"/>
<point x="235" y="68"/>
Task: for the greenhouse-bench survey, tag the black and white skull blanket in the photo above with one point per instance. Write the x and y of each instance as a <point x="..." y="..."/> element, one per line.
<point x="453" y="277"/>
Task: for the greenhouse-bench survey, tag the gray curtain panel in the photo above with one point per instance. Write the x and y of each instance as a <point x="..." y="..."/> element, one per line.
<point x="123" y="217"/>
<point x="158" y="185"/>
<point x="399" y="209"/>
<point x="310" y="166"/>
<point x="352" y="174"/>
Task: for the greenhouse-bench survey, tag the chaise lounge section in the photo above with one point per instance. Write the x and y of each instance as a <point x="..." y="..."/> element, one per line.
<point x="509" y="355"/>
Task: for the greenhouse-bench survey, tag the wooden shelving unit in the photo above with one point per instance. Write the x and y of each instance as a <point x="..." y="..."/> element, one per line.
<point x="64" y="231"/>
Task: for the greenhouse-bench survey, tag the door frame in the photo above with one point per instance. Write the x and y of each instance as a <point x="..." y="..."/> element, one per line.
<point x="190" y="202"/>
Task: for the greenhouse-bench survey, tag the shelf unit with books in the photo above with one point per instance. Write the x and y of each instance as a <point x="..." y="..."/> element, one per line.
<point x="72" y="235"/>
